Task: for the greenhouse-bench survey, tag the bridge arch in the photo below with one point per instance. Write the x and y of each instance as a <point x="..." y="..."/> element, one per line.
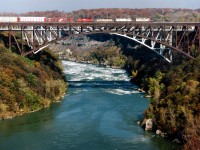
<point x="169" y="36"/>
<point x="142" y="42"/>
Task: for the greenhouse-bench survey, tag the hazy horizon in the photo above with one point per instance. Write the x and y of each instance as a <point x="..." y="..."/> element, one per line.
<point x="22" y="6"/>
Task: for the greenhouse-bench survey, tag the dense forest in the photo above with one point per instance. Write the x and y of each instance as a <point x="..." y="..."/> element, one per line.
<point x="175" y="107"/>
<point x="28" y="84"/>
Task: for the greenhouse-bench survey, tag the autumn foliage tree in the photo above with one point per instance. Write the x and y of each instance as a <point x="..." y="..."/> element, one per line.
<point x="28" y="84"/>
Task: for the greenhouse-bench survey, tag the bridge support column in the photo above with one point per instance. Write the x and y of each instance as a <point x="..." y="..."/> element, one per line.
<point x="22" y="43"/>
<point x="10" y="42"/>
<point x="199" y="38"/>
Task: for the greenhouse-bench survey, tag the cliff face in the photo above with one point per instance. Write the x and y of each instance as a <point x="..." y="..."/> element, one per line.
<point x="28" y="84"/>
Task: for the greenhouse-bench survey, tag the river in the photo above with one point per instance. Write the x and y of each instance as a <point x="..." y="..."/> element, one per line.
<point x="99" y="112"/>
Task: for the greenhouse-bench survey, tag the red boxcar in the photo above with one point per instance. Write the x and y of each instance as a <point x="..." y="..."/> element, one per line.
<point x="60" y="20"/>
<point x="84" y="20"/>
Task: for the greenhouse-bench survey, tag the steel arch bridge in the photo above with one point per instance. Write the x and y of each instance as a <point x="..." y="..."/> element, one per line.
<point x="161" y="38"/>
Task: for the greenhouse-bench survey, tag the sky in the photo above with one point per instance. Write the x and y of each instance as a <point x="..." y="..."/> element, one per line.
<point x="21" y="6"/>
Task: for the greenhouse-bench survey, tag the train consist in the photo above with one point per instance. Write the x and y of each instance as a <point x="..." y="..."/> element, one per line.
<point x="69" y="20"/>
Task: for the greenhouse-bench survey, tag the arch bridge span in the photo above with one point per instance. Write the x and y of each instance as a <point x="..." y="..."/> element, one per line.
<point x="162" y="38"/>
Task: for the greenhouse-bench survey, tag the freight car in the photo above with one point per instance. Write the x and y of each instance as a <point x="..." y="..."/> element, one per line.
<point x="60" y="19"/>
<point x="123" y="20"/>
<point x="104" y="20"/>
<point x="8" y="19"/>
<point x="31" y="19"/>
<point x="84" y="20"/>
<point x="142" y="19"/>
<point x="22" y="19"/>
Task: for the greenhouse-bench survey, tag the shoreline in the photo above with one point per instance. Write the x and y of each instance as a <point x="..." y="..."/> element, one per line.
<point x="11" y="115"/>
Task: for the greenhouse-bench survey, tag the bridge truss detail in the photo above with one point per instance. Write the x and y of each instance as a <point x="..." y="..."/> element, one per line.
<point x="162" y="38"/>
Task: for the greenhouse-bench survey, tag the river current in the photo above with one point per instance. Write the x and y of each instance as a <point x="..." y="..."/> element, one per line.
<point x="99" y="112"/>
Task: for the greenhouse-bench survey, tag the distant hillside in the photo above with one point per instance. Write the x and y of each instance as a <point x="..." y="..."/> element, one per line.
<point x="153" y="13"/>
<point x="156" y="14"/>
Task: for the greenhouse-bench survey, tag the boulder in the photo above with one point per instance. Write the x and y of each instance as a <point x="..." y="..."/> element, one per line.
<point x="149" y="124"/>
<point x="139" y="122"/>
<point x="176" y="141"/>
<point x="158" y="131"/>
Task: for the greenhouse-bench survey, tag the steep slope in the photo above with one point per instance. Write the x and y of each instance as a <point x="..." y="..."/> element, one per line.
<point x="175" y="107"/>
<point x="27" y="85"/>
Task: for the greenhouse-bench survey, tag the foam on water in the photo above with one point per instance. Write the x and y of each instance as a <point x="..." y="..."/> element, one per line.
<point x="107" y="79"/>
<point x="87" y="72"/>
<point x="76" y="91"/>
<point x="121" y="91"/>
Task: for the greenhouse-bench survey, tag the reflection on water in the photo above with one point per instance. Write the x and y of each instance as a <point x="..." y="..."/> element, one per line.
<point x="99" y="112"/>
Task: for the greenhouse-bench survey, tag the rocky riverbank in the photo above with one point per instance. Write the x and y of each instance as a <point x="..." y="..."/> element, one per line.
<point x="174" y="108"/>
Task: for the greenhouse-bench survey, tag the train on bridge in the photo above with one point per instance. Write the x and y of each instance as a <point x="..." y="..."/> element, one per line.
<point x="69" y="20"/>
<point x="160" y="37"/>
